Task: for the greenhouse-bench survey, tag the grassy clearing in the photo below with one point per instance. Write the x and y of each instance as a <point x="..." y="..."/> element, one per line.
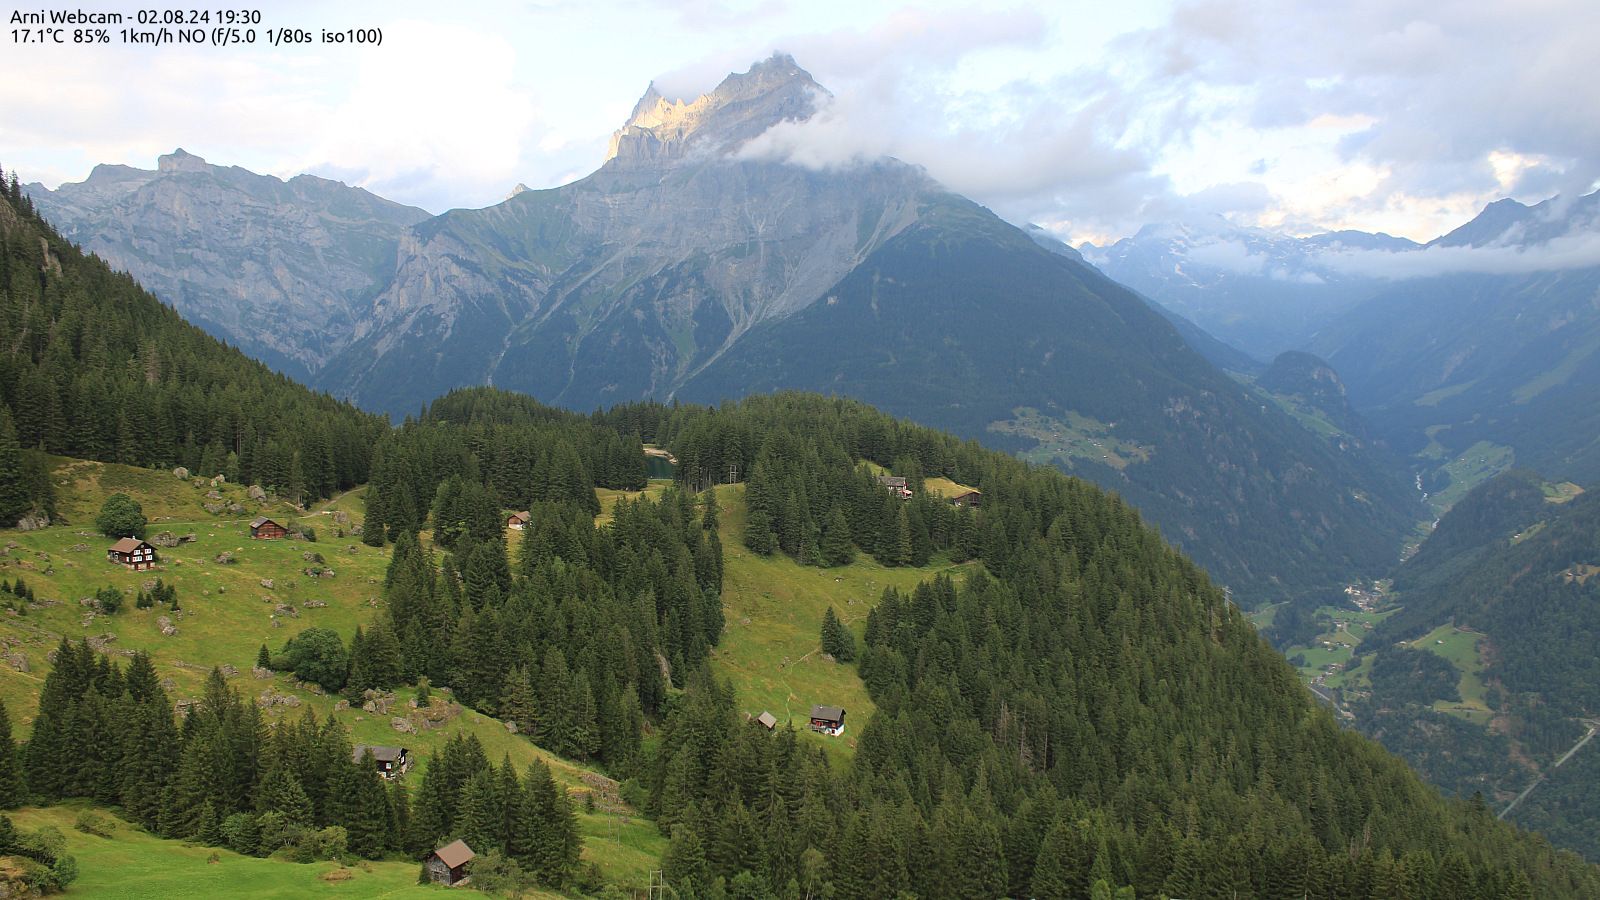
<point x="1070" y="437"/>
<point x="1336" y="646"/>
<point x="1461" y="649"/>
<point x="82" y="485"/>
<point x="770" y="650"/>
<point x="609" y="497"/>
<point x="135" y="865"/>
<point x="226" y="613"/>
<point x="1481" y="462"/>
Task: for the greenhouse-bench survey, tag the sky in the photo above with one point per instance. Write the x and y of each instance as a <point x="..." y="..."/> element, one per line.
<point x="1087" y="119"/>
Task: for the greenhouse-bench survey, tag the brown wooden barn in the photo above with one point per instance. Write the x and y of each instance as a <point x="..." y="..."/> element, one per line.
<point x="967" y="498"/>
<point x="767" y="720"/>
<point x="390" y="761"/>
<point x="264" y="529"/>
<point x="518" y="520"/>
<point x="133" y="553"/>
<point x="448" y="864"/>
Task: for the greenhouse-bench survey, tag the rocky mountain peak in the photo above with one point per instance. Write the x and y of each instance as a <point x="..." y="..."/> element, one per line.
<point x="180" y="160"/>
<point x="664" y="130"/>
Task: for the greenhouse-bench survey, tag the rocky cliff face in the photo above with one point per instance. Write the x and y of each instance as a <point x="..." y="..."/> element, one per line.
<point x="627" y="282"/>
<point x="283" y="269"/>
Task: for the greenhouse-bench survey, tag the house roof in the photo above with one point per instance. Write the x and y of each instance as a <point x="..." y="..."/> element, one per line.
<point x="260" y="521"/>
<point x="455" y="853"/>
<point x="381" y="754"/>
<point x="127" y="545"/>
<point x="524" y="516"/>
<point x="831" y="713"/>
<point x="892" y="480"/>
<point x="767" y="719"/>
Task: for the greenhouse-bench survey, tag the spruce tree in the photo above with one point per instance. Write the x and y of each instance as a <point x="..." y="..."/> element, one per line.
<point x="837" y="547"/>
<point x="11" y="793"/>
<point x="14" y="499"/>
<point x="837" y="639"/>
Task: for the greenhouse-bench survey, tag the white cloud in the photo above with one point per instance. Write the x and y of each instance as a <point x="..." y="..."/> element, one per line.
<point x="1571" y="251"/>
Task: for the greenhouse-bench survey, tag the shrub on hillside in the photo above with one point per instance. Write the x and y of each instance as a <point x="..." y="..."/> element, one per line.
<point x="121" y="516"/>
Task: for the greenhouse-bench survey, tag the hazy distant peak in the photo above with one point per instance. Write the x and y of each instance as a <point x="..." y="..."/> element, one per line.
<point x="180" y="160"/>
<point x="661" y="130"/>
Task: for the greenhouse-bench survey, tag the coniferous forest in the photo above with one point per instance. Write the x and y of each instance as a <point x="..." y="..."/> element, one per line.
<point x="1083" y="714"/>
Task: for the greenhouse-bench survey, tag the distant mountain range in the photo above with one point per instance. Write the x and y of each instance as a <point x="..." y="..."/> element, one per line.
<point x="688" y="266"/>
<point x="284" y="270"/>
<point x="1474" y="351"/>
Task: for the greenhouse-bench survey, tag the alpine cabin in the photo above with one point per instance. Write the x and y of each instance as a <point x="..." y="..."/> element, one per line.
<point x="264" y="529"/>
<point x="133" y="553"/>
<point x="967" y="498"/>
<point x="390" y="761"/>
<point x="827" y="720"/>
<point x="518" y="520"/>
<point x="897" y="485"/>
<point x="448" y="864"/>
<point x="767" y="720"/>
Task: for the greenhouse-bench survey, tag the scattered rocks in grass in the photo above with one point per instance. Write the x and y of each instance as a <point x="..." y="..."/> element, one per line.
<point x="225" y="558"/>
<point x="164" y="539"/>
<point x="256" y="493"/>
<point x="260" y="672"/>
<point x="271" y="699"/>
<point x="33" y="522"/>
<point x="402" y="725"/>
<point x="309" y="687"/>
<point x="99" y="641"/>
<point x="341" y="706"/>
<point x="166" y="626"/>
<point x="340" y="517"/>
<point x="180" y="472"/>
<point x="266" y="583"/>
<point x="379" y="702"/>
<point x="189" y="538"/>
<point x="18" y="661"/>
<point x="235" y="508"/>
<point x="315" y="604"/>
<point x="168" y="684"/>
<point x="78" y="548"/>
<point x="229" y="671"/>
<point x="220" y="479"/>
<point x="213" y="495"/>
<point x="214" y="508"/>
<point x="149" y="584"/>
<point x="284" y="609"/>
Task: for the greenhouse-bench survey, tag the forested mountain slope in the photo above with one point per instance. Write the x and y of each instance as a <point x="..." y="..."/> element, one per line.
<point x="92" y="366"/>
<point x="1079" y="372"/>
<point x="1509" y="577"/>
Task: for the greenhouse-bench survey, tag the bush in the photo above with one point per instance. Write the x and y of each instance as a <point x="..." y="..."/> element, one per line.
<point x="108" y="599"/>
<point x="316" y="655"/>
<point x="91" y="822"/>
<point x="242" y="833"/>
<point x="121" y="516"/>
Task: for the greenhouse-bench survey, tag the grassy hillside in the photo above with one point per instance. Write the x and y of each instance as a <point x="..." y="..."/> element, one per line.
<point x="226" y="613"/>
<point x="135" y="865"/>
<point x="771" y="650"/>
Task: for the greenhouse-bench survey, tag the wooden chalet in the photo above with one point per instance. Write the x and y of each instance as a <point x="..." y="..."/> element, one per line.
<point x="518" y="520"/>
<point x="135" y="554"/>
<point x="827" y="719"/>
<point x="967" y="498"/>
<point x="448" y="864"/>
<point x="767" y="720"/>
<point x="390" y="761"/>
<point x="896" y="484"/>
<point x="264" y="529"/>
